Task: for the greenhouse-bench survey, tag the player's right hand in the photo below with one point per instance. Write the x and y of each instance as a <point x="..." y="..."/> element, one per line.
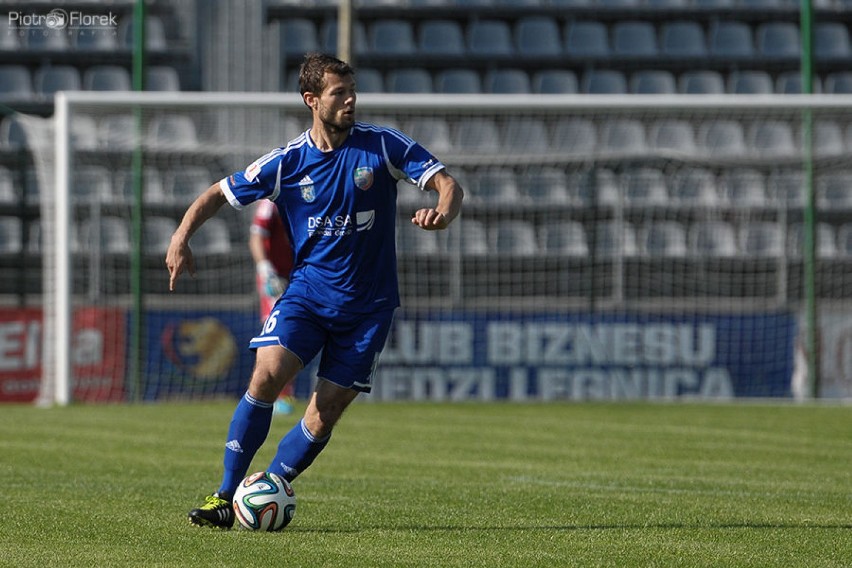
<point x="178" y="257"/>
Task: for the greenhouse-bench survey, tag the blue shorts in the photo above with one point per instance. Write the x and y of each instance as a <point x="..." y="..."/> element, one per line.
<point x="350" y="343"/>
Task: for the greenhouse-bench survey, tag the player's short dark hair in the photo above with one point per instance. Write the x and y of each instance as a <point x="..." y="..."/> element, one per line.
<point x="314" y="68"/>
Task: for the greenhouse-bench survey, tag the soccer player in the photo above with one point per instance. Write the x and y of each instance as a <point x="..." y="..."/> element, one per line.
<point x="273" y="259"/>
<point x="335" y="187"/>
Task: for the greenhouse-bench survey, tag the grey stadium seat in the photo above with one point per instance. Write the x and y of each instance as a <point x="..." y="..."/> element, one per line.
<point x="683" y="39"/>
<point x="722" y="138"/>
<point x="701" y="82"/>
<point x="831" y="41"/>
<point x="106" y="78"/>
<point x="507" y="81"/>
<point x="298" y="36"/>
<point x="604" y="82"/>
<point x="441" y="37"/>
<point x="761" y="239"/>
<point x="458" y="81"/>
<point x="392" y="37"/>
<point x="778" y="40"/>
<point x="15" y="82"/>
<point x="634" y="39"/>
<point x="538" y="35"/>
<point x="409" y="81"/>
<point x="489" y="37"/>
<point x="752" y="82"/>
<point x="652" y="82"/>
<point x="555" y="82"/>
<point x="49" y="80"/>
<point x="731" y="39"/>
<point x="585" y="38"/>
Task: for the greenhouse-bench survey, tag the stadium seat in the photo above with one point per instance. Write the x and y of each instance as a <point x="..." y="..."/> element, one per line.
<point x="682" y="39"/>
<point x="644" y="187"/>
<point x="844" y="240"/>
<point x="368" y="81"/>
<point x="458" y="81"/>
<point x="607" y="189"/>
<point x="790" y="83"/>
<point x="786" y="187"/>
<point x="622" y="135"/>
<point x="634" y="39"/>
<point x="586" y="39"/>
<point x="15" y="83"/>
<point x="672" y="135"/>
<point x="411" y="241"/>
<point x="162" y="78"/>
<point x="838" y="83"/>
<point x="614" y="239"/>
<point x="544" y="186"/>
<point x="730" y="39"/>
<point x="744" y="187"/>
<point x="604" y="82"/>
<point x="10" y="235"/>
<point x="409" y="81"/>
<point x="761" y="239"/>
<point x="392" y="37"/>
<point x="8" y="193"/>
<point x="39" y="39"/>
<point x="328" y="37"/>
<point x="441" y="37"/>
<point x="701" y="82"/>
<point x="826" y="240"/>
<point x="566" y="238"/>
<point x="694" y="187"/>
<point x="155" y="33"/>
<point x="834" y="191"/>
<point x="213" y="237"/>
<point x="652" y="82"/>
<point x="664" y="239"/>
<point x="116" y="132"/>
<point x="712" y="239"/>
<point x="575" y="136"/>
<point x="754" y="82"/>
<point x="9" y="40"/>
<point x="153" y="189"/>
<point x="555" y="82"/>
<point x="777" y="40"/>
<point x="513" y="238"/>
<point x="84" y="132"/>
<point x="722" y="138"/>
<point x="111" y="235"/>
<point x="495" y="186"/>
<point x="831" y="41"/>
<point x="537" y="36"/>
<point x="12" y="133"/>
<point x="522" y="135"/>
<point x="771" y="138"/>
<point x="432" y="133"/>
<point x="827" y="139"/>
<point x="507" y="81"/>
<point x="48" y="80"/>
<point x="91" y="184"/>
<point x="489" y="37"/>
<point x="476" y="135"/>
<point x="474" y="237"/>
<point x="95" y="41"/>
<point x="298" y="36"/>
<point x="157" y="234"/>
<point x="172" y="131"/>
<point x="186" y="183"/>
<point x="106" y="78"/>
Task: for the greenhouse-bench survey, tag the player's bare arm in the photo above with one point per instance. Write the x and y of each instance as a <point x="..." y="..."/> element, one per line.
<point x="450" y="195"/>
<point x="179" y="255"/>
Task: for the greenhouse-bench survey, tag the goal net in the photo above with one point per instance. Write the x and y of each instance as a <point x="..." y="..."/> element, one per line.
<point x="627" y="248"/>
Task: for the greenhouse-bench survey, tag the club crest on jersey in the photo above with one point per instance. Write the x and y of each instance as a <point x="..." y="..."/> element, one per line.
<point x="364" y="177"/>
<point x="307" y="187"/>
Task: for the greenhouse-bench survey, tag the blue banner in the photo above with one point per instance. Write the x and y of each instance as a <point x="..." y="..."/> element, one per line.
<point x="518" y="356"/>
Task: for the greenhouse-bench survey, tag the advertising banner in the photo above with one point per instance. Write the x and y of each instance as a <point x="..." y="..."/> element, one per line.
<point x="463" y="356"/>
<point x="98" y="354"/>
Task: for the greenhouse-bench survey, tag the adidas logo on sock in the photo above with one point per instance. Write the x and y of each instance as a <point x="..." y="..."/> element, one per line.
<point x="234" y="446"/>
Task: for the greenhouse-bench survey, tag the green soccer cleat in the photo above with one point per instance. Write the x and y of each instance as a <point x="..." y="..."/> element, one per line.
<point x="216" y="512"/>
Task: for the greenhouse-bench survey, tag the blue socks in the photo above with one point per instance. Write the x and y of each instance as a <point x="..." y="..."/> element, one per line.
<point x="296" y="452"/>
<point x="248" y="430"/>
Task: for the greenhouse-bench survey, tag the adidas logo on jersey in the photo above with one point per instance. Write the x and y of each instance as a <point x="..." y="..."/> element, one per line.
<point x="234" y="446"/>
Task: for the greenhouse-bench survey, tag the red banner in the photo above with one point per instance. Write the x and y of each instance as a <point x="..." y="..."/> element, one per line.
<point x="98" y="356"/>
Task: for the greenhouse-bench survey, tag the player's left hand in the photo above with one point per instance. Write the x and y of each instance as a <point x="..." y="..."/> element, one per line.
<point x="178" y="258"/>
<point x="429" y="219"/>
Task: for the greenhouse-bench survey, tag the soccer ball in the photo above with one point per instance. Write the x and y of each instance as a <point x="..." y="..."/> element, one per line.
<point x="264" y="501"/>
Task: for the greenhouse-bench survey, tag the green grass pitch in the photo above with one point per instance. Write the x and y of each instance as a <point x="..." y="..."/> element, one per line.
<point x="467" y="485"/>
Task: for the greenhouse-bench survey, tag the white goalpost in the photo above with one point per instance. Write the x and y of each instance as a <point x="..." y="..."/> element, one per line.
<point x="609" y="247"/>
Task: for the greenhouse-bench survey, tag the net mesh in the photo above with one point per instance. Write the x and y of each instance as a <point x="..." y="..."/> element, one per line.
<point x="609" y="251"/>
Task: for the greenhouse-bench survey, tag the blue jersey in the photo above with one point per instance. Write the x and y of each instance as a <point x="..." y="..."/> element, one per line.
<point x="340" y="210"/>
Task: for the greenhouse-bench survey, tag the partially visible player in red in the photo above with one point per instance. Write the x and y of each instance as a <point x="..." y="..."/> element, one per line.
<point x="273" y="258"/>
